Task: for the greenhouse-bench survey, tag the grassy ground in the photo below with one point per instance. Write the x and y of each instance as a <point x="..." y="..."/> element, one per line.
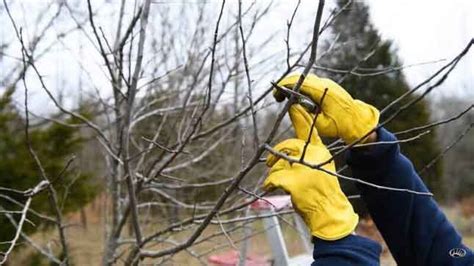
<point x="86" y="243"/>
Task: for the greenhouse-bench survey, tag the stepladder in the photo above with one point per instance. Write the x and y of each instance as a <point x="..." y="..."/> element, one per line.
<point x="268" y="208"/>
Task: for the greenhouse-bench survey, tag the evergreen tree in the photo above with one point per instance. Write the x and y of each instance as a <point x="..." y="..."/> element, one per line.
<point x="54" y="145"/>
<point x="360" y="48"/>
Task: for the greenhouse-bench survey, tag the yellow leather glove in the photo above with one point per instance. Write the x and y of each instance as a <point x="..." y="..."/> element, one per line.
<point x="316" y="195"/>
<point x="341" y="115"/>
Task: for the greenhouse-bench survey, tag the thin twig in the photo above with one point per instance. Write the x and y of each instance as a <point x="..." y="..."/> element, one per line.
<point x="287" y="41"/>
<point x="17" y="233"/>
<point x="53" y="199"/>
<point x="317" y="167"/>
<point x="376" y="143"/>
<point x="449" y="147"/>
<point x="247" y="75"/>
<point x="376" y="72"/>
<point x="445" y="121"/>
<point x="313" y="125"/>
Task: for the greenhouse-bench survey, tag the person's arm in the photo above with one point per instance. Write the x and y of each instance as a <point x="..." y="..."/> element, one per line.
<point x="413" y="226"/>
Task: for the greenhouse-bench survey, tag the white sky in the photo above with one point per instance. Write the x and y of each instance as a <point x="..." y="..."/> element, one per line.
<point x="425" y="30"/>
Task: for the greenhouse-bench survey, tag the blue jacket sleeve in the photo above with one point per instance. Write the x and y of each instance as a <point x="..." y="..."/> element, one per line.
<point x="348" y="251"/>
<point x="413" y="226"/>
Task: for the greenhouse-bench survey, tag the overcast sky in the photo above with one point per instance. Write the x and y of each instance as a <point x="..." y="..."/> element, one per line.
<point x="425" y="30"/>
<point x="422" y="31"/>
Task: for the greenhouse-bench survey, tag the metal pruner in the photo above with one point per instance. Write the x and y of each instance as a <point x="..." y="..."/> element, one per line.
<point x="283" y="93"/>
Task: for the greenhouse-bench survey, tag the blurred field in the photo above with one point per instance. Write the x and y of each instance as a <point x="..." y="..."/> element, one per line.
<point x="86" y="242"/>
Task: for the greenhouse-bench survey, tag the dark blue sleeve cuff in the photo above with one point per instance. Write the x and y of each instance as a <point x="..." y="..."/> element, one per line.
<point x="350" y="250"/>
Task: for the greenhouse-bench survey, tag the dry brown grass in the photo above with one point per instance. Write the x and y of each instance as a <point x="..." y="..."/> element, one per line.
<point x="87" y="243"/>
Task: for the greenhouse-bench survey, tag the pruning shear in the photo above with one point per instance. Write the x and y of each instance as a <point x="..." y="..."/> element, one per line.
<point x="283" y="93"/>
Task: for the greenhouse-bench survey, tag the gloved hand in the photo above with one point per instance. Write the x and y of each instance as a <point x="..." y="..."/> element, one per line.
<point x="341" y="115"/>
<point x="315" y="195"/>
